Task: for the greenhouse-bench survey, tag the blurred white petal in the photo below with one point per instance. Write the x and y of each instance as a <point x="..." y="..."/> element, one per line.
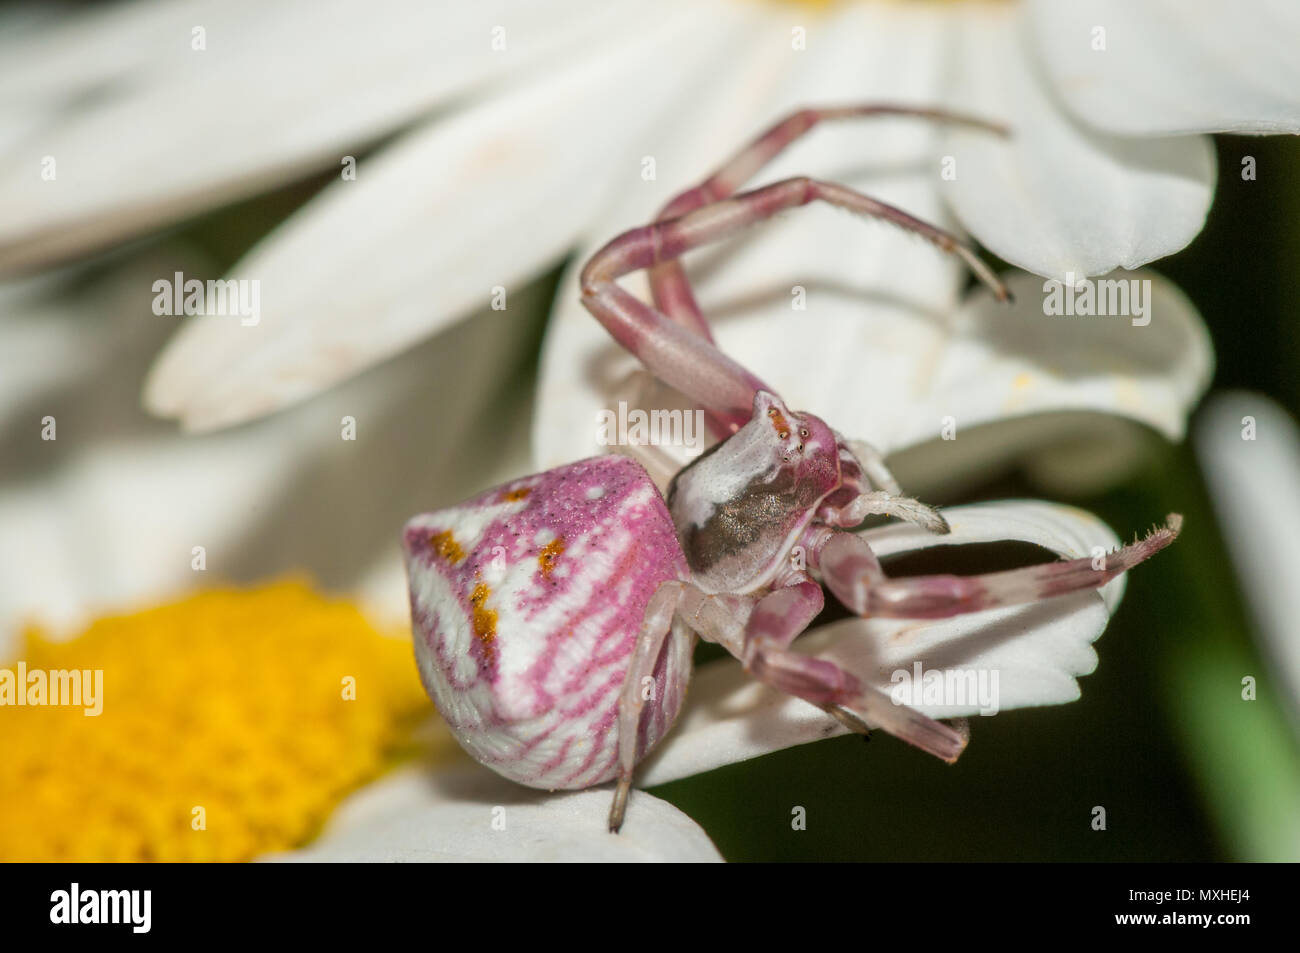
<point x="158" y="131"/>
<point x="486" y="198"/>
<point x="59" y="59"/>
<point x="1173" y="67"/>
<point x="1253" y="484"/>
<point x="1038" y="650"/>
<point x="106" y="515"/>
<point x="1056" y="197"/>
<point x="471" y="814"/>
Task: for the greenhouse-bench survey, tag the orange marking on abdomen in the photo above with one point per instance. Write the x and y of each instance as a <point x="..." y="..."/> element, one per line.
<point x="550" y="552"/>
<point x="485" y="620"/>
<point x="446" y="546"/>
<point x="514" y="496"/>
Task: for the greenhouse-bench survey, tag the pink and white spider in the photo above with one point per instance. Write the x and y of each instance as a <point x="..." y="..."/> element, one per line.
<point x="555" y="616"/>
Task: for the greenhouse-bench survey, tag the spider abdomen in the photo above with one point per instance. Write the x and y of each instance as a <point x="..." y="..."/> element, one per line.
<point x="526" y="603"/>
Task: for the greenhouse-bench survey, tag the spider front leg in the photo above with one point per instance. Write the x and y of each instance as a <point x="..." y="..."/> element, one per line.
<point x="777" y="619"/>
<point x="853" y="573"/>
<point x="668" y="282"/>
<point x="678" y="355"/>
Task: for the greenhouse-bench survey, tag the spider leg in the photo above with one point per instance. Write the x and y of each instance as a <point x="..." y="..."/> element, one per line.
<point x="678" y="355"/>
<point x="715" y="617"/>
<point x="872" y="463"/>
<point x="656" y="624"/>
<point x="668" y="281"/>
<point x="853" y="573"/>
<point x="862" y="467"/>
<point x="878" y="502"/>
<point x="777" y="619"/>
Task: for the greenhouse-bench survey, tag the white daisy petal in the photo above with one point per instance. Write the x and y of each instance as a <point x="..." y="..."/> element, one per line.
<point x="58" y="59"/>
<point x="471" y="814"/>
<point x="279" y="90"/>
<point x="1057" y="198"/>
<point x="1038" y="651"/>
<point x="1145" y="67"/>
<point x="1249" y="449"/>
<point x="1058" y="393"/>
<point x="872" y="293"/>
<point x="428" y="231"/>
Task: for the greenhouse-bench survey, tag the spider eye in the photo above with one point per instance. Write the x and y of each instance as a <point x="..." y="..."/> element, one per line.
<point x="803" y="432"/>
<point x="799" y="448"/>
<point x="783" y="434"/>
<point x="771" y="411"/>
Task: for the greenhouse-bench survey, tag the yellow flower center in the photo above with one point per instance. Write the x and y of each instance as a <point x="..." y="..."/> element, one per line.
<point x="232" y="722"/>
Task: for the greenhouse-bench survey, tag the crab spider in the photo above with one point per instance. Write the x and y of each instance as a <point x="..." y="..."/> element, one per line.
<point x="555" y="616"/>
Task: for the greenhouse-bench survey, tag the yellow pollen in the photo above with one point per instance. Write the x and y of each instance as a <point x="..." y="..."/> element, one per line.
<point x="232" y="723"/>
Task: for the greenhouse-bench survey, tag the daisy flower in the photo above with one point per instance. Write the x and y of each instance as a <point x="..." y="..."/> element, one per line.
<point x="109" y="513"/>
<point x="491" y="143"/>
<point x="493" y="137"/>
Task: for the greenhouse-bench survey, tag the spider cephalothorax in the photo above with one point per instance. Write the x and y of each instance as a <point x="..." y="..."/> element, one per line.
<point x="739" y="509"/>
